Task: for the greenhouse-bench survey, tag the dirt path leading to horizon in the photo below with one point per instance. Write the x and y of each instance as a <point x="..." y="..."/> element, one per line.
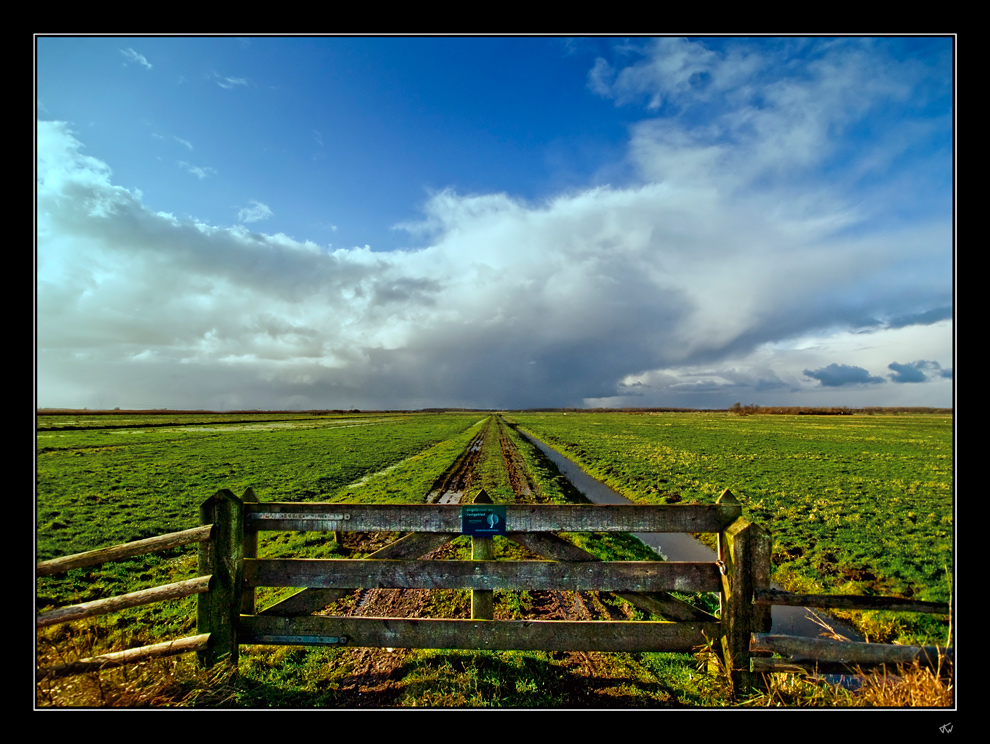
<point x="375" y="677"/>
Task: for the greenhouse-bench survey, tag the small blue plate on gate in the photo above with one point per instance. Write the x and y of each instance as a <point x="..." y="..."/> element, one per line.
<point x="483" y="520"/>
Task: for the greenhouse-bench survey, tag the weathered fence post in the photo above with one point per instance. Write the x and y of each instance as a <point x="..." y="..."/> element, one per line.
<point x="217" y="610"/>
<point x="250" y="551"/>
<point x="744" y="550"/>
<point x="482" y="600"/>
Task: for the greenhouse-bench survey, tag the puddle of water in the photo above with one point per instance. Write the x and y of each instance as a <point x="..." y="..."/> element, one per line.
<point x="271" y="425"/>
<point x="377" y="474"/>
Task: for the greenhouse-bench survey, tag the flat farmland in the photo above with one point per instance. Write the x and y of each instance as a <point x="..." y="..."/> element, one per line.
<point x="137" y="481"/>
<point x="857" y="504"/>
<point x="832" y="490"/>
<point x="99" y="485"/>
<point x="105" y="480"/>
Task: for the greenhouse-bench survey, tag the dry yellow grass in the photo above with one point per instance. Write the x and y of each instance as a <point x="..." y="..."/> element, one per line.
<point x="906" y="687"/>
<point x="911" y="687"/>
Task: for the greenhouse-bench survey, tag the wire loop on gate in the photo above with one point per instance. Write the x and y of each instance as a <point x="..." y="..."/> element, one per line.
<point x="722" y="567"/>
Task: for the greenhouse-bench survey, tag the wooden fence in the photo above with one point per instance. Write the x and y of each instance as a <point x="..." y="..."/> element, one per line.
<point x="176" y="590"/>
<point x="828" y="655"/>
<point x="227" y="616"/>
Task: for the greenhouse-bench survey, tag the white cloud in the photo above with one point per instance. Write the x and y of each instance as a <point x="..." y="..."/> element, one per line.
<point x="666" y="74"/>
<point x="255" y="212"/>
<point x="135" y="57"/>
<point x="741" y="116"/>
<point x="196" y="170"/>
<point x="228" y="83"/>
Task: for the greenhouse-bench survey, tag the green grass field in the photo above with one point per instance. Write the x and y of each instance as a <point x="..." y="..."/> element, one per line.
<point x="859" y="504"/>
<point x="113" y="484"/>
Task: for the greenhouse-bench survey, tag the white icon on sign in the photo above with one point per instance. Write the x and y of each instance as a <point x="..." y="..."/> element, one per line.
<point x="492" y="519"/>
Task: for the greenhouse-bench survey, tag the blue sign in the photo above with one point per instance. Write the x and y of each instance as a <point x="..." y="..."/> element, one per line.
<point x="483" y="520"/>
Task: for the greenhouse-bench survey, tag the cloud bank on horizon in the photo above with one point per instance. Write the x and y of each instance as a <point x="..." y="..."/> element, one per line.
<point x="776" y="228"/>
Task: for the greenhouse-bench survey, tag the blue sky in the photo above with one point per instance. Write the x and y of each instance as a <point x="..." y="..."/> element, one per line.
<point x="300" y="222"/>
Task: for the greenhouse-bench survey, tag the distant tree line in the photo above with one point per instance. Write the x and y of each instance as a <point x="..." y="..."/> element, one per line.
<point x="749" y="410"/>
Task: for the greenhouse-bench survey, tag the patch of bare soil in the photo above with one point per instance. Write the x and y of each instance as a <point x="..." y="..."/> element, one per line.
<point x="375" y="674"/>
<point x="375" y="678"/>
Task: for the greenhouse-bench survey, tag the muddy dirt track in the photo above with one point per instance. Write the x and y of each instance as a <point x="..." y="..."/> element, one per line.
<point x="375" y="674"/>
<point x="450" y="488"/>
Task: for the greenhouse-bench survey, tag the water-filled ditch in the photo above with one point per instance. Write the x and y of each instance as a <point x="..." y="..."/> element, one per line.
<point x="682" y="547"/>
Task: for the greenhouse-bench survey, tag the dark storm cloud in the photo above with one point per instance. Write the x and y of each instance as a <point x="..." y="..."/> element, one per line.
<point x="407" y="290"/>
<point x="925" y="318"/>
<point x="919" y="371"/>
<point x="837" y="375"/>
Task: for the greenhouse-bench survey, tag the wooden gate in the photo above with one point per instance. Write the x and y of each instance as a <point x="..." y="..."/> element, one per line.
<point x="230" y="571"/>
<point x="228" y="613"/>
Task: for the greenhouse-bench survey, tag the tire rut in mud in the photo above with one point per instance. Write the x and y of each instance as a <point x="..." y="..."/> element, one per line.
<point x="452" y="485"/>
<point x="522" y="483"/>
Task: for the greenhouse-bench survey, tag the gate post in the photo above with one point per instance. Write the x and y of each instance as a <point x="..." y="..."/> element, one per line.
<point x="250" y="551"/>
<point x="222" y="557"/>
<point x="744" y="550"/>
<point x="482" y="600"/>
